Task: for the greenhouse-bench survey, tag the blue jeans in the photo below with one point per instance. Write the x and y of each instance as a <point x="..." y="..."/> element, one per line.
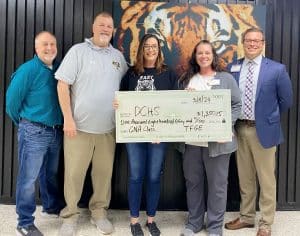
<point x="145" y="159"/>
<point x="38" y="155"/>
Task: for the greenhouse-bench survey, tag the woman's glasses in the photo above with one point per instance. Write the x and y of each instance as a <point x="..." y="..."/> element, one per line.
<point x="152" y="47"/>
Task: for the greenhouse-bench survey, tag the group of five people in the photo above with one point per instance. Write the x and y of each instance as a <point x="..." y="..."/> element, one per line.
<point x="81" y="100"/>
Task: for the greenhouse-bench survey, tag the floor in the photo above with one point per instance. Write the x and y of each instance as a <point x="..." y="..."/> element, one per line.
<point x="287" y="223"/>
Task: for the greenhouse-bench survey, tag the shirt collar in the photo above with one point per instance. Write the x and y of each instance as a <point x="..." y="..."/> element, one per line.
<point x="54" y="63"/>
<point x="257" y="60"/>
<point x="90" y="43"/>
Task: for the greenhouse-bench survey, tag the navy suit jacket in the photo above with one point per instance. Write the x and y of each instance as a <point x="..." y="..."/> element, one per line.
<point x="274" y="95"/>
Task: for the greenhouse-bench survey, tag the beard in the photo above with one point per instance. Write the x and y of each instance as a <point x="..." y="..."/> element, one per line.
<point x="104" y="40"/>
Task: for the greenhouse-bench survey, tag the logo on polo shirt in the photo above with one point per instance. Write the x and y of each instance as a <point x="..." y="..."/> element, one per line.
<point x="116" y="64"/>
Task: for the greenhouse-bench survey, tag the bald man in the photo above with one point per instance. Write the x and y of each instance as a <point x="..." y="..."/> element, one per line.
<point x="32" y="104"/>
<point x="88" y="77"/>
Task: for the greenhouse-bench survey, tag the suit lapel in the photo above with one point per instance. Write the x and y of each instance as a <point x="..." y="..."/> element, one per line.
<point x="262" y="70"/>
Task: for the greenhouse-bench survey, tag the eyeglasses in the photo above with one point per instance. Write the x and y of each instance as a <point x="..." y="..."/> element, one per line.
<point x="153" y="47"/>
<point x="254" y="41"/>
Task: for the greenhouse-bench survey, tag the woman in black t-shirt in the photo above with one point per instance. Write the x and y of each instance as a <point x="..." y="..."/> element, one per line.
<point x="146" y="159"/>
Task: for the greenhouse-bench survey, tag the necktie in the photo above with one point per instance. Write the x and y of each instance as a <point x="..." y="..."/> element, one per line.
<point x="248" y="111"/>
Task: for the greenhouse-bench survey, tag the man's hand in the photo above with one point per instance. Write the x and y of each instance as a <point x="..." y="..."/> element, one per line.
<point x="70" y="128"/>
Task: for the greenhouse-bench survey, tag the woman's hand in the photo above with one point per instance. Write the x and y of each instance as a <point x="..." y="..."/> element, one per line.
<point x="115" y="104"/>
<point x="190" y="89"/>
<point x="155" y="142"/>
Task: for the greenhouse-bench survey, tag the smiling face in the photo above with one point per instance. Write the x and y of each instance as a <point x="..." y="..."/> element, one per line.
<point x="253" y="44"/>
<point x="103" y="28"/>
<point x="150" y="52"/>
<point x="45" y="47"/>
<point x="204" y="55"/>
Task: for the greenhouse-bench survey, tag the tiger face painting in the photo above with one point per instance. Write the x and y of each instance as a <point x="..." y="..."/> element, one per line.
<point x="181" y="26"/>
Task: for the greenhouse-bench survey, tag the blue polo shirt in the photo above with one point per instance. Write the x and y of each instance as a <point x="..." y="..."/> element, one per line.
<point x="32" y="94"/>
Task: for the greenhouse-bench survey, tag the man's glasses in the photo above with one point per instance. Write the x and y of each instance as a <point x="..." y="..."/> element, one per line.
<point x="254" y="41"/>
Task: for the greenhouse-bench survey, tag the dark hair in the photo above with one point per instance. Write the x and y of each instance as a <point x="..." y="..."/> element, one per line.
<point x="253" y="29"/>
<point x="194" y="68"/>
<point x="139" y="62"/>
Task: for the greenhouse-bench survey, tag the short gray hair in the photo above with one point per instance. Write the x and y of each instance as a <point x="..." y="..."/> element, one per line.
<point x="40" y="33"/>
<point x="103" y="14"/>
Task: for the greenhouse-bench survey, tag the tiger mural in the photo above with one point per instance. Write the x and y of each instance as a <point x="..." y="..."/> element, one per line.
<point x="181" y="26"/>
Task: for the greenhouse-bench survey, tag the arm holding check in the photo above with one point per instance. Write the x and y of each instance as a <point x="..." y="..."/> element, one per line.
<point x="209" y="158"/>
<point x="145" y="159"/>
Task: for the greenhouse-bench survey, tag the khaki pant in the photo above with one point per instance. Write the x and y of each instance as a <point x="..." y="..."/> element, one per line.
<point x="255" y="163"/>
<point x="79" y="152"/>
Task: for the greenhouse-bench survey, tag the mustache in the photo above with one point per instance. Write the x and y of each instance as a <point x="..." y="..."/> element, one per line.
<point x="106" y="34"/>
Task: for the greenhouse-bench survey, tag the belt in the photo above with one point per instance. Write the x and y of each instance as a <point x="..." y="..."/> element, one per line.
<point x="249" y="123"/>
<point x="42" y="125"/>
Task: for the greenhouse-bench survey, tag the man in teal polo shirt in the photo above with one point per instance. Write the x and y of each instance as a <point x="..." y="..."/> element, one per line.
<point x="32" y="104"/>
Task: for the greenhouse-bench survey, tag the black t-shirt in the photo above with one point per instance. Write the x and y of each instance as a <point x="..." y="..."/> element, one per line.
<point x="149" y="80"/>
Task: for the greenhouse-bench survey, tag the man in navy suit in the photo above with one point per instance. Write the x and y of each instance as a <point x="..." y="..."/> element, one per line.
<point x="266" y="92"/>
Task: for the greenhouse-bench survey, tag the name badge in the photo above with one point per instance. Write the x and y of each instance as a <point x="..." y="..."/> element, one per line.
<point x="214" y="82"/>
<point x="236" y="68"/>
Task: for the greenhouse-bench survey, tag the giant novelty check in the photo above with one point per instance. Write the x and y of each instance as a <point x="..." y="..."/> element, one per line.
<point x="173" y="116"/>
